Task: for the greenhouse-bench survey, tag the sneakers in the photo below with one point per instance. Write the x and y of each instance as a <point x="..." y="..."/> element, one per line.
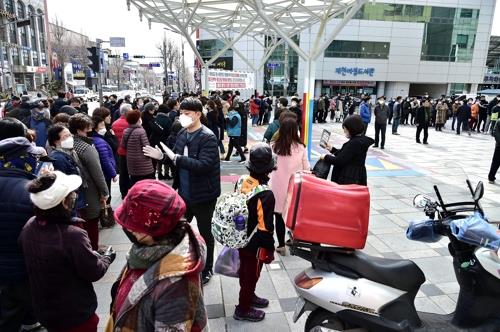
<point x="252" y="315"/>
<point x="375" y="146"/>
<point x="205" y="277"/>
<point x="491" y="181"/>
<point x="259" y="302"/>
<point x="426" y="143"/>
<point x="418" y="141"/>
<point x="395" y="133"/>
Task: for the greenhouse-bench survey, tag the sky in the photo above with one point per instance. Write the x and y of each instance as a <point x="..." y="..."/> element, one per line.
<point x="110" y="18"/>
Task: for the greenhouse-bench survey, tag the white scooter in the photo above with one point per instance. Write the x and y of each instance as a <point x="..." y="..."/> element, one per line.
<point x="348" y="290"/>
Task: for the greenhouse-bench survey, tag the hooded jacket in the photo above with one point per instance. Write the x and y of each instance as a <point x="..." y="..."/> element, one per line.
<point x="168" y="296"/>
<point x="349" y="162"/>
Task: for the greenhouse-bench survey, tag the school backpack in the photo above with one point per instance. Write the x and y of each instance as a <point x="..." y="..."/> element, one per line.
<point x="230" y="219"/>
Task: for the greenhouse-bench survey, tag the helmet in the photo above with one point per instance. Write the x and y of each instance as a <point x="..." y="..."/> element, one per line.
<point x="262" y="160"/>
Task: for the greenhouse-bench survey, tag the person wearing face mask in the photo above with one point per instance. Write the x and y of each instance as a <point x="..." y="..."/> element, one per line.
<point x="463" y="116"/>
<point x="349" y="161"/>
<point x="163" y="265"/>
<point x="365" y="112"/>
<point x="40" y="124"/>
<point x="65" y="158"/>
<point x="381" y="113"/>
<point x="59" y="258"/>
<point x="17" y="167"/>
<point x="94" y="184"/>
<point x="106" y="157"/>
<point x="134" y="139"/>
<point x="234" y="133"/>
<point x="197" y="178"/>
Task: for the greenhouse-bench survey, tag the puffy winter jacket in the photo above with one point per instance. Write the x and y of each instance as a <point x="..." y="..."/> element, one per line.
<point x="234" y="124"/>
<point x="106" y="157"/>
<point x="364" y="112"/>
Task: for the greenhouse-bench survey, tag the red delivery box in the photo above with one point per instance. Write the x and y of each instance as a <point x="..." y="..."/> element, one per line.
<point x="322" y="211"/>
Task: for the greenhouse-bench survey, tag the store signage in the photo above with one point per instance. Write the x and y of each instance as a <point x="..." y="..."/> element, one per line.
<point x="9" y="15"/>
<point x="154" y="64"/>
<point x="273" y="64"/>
<point x="117" y="41"/>
<point x="349" y="83"/>
<point x="225" y="63"/>
<point x="491" y="79"/>
<point x="354" y="71"/>
<point x="225" y="79"/>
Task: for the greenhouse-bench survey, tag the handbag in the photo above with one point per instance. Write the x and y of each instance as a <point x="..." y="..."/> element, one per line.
<point x="321" y="169"/>
<point x="228" y="263"/>
<point x="107" y="217"/>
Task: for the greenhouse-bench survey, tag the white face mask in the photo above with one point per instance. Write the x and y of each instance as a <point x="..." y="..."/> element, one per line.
<point x="185" y="120"/>
<point x="294" y="104"/>
<point x="102" y="131"/>
<point x="67" y="143"/>
<point x="381" y="102"/>
<point x="205" y="111"/>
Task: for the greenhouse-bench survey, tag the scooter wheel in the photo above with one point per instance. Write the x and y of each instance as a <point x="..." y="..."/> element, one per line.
<point x="321" y="318"/>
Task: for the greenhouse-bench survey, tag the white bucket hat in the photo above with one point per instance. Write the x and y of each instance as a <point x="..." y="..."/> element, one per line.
<point x="55" y="194"/>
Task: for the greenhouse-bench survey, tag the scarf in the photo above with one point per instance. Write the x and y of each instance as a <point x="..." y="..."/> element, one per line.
<point x="142" y="257"/>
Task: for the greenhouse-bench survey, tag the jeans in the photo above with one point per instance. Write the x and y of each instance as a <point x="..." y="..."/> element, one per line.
<point x="495" y="163"/>
<point x="462" y="124"/>
<point x="124" y="179"/>
<point x="280" y="229"/>
<point x="249" y="275"/>
<point x="395" y="125"/>
<point x="234" y="142"/>
<point x="380" y="128"/>
<point x="255" y="119"/>
<point x="425" y="128"/>
<point x="15" y="306"/>
<point x="453" y="122"/>
<point x="203" y="213"/>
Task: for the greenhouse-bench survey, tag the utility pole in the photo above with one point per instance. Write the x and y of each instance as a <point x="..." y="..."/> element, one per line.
<point x="49" y="44"/>
<point x="165" y="58"/>
<point x="285" y="68"/>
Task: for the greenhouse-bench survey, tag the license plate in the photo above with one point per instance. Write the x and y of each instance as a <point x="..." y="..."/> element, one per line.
<point x="299" y="309"/>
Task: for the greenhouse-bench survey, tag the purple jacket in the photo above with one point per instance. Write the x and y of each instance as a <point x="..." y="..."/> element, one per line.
<point x="108" y="162"/>
<point x="61" y="268"/>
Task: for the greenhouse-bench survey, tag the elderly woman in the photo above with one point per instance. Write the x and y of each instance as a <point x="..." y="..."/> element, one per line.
<point x="94" y="184"/>
<point x="160" y="287"/>
<point x="60" y="261"/>
<point x="134" y="139"/>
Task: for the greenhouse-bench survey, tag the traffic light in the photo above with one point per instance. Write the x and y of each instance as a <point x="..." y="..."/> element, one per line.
<point x="95" y="59"/>
<point x="111" y="56"/>
<point x="138" y="56"/>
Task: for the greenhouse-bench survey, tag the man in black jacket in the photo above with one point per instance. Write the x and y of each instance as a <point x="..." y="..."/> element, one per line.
<point x="495" y="163"/>
<point x="196" y="158"/>
<point x="463" y="116"/>
<point x="381" y="114"/>
<point x="58" y="103"/>
<point x="17" y="161"/>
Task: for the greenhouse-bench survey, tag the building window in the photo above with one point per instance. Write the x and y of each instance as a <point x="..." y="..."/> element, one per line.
<point x="36" y="62"/>
<point x="26" y="57"/>
<point x="462" y="40"/>
<point x="9" y="6"/>
<point x="44" y="59"/>
<point x="21" y="12"/>
<point x="466" y="13"/>
<point x="357" y="49"/>
<point x="12" y="33"/>
<point x="209" y="47"/>
<point x="15" y="56"/>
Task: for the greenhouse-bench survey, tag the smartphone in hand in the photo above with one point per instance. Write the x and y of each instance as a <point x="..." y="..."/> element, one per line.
<point x="325" y="137"/>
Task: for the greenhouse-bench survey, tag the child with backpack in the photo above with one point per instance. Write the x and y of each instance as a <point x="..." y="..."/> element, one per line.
<point x="260" y="228"/>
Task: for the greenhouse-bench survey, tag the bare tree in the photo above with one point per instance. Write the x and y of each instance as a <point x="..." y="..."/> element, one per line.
<point x="179" y="69"/>
<point x="188" y="80"/>
<point x="147" y="78"/>
<point x="79" y="50"/>
<point x="168" y="51"/>
<point x="116" y="66"/>
<point x="61" y="45"/>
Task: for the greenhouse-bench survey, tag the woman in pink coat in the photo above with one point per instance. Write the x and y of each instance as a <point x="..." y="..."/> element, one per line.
<point x="292" y="157"/>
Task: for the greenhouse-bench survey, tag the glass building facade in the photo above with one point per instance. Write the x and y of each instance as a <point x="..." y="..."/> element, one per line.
<point x="275" y="77"/>
<point x="357" y="49"/>
<point x="449" y="33"/>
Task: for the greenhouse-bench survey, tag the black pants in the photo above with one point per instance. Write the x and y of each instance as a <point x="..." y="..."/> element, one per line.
<point x="380" y="129"/>
<point x="235" y="142"/>
<point x="124" y="180"/>
<point x="15" y="306"/>
<point x="136" y="178"/>
<point x="108" y="184"/>
<point x="426" y="132"/>
<point x="495" y="164"/>
<point x="203" y="213"/>
<point x="462" y="124"/>
<point x="280" y="229"/>
<point x="482" y="119"/>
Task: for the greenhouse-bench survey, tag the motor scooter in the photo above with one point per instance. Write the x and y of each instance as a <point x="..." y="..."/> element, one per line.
<point x="348" y="290"/>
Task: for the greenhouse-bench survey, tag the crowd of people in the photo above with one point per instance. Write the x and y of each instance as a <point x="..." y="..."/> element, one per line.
<point x="58" y="163"/>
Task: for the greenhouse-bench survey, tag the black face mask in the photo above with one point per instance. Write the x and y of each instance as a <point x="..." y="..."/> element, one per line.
<point x="130" y="236"/>
<point x="113" y="102"/>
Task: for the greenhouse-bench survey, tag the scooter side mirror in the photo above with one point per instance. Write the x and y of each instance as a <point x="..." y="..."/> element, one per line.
<point x="479" y="192"/>
<point x="420" y="201"/>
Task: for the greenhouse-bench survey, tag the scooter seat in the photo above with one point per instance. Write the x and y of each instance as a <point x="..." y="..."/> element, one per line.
<point x="401" y="274"/>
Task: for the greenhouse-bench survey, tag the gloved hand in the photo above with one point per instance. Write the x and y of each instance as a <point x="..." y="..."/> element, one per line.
<point x="264" y="255"/>
<point x="170" y="154"/>
<point x="153" y="153"/>
<point x="110" y="253"/>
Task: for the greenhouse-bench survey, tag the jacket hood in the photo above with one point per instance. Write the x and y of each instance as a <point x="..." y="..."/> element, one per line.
<point x="365" y="141"/>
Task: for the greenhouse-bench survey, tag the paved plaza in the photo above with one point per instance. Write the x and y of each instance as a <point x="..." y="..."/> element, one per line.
<point x="395" y="176"/>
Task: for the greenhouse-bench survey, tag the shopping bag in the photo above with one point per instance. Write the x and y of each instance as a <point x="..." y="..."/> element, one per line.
<point x="321" y="169"/>
<point x="475" y="230"/>
<point x="228" y="263"/>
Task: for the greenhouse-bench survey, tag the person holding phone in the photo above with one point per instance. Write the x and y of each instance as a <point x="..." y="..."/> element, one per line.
<point x="349" y="161"/>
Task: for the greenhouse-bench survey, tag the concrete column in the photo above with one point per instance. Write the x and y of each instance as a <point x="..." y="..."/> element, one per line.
<point x="381" y="89"/>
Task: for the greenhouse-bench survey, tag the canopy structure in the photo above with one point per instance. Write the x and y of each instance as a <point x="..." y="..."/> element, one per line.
<point x="230" y="20"/>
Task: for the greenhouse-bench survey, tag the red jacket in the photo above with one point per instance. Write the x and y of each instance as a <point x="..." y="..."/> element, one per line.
<point x="254" y="108"/>
<point x="119" y="127"/>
